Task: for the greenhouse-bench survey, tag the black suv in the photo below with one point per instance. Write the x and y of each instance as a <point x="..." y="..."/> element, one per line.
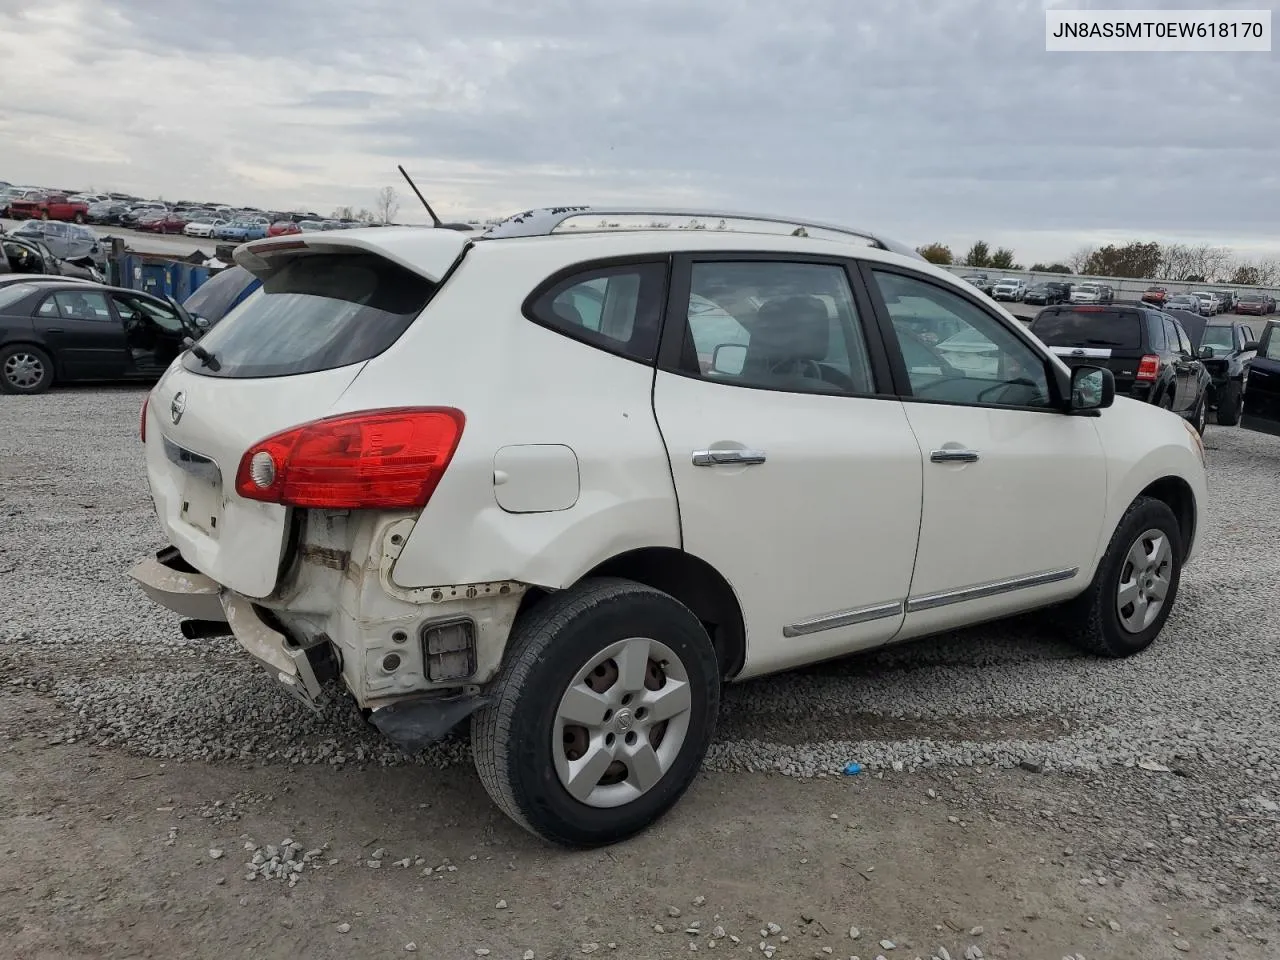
<point x="1224" y="345"/>
<point x="1147" y="350"/>
<point x="1049" y="292"/>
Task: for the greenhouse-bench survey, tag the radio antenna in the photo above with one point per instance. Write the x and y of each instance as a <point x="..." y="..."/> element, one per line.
<point x="435" y="221"/>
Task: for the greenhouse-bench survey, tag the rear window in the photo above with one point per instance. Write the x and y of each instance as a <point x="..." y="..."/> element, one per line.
<point x="315" y="312"/>
<point x="1101" y="328"/>
<point x="217" y="295"/>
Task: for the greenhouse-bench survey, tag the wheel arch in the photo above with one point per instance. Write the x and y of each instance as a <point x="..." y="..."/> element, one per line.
<point x="1176" y="493"/>
<point x="687" y="578"/>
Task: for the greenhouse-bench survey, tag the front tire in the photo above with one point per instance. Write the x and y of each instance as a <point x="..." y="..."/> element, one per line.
<point x="1134" y="587"/>
<point x="1229" y="404"/>
<point x="601" y="715"/>
<point x="1200" y="416"/>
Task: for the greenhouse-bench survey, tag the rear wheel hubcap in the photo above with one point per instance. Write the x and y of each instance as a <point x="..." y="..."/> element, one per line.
<point x="622" y="722"/>
<point x="23" y="370"/>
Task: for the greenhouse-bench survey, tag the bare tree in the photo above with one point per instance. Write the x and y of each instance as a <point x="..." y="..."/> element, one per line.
<point x="1078" y="260"/>
<point x="387" y="205"/>
<point x="343" y="213"/>
<point x="365" y="215"/>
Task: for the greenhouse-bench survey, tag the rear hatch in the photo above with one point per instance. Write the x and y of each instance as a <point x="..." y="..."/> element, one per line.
<point x="283" y="357"/>
<point x="1110" y="337"/>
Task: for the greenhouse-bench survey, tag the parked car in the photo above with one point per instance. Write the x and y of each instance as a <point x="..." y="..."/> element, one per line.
<point x="239" y="231"/>
<point x="30" y="254"/>
<point x="979" y="280"/>
<point x="283" y="228"/>
<point x="68" y="331"/>
<point x="48" y="206"/>
<point x="107" y="211"/>
<point x="1087" y="292"/>
<point x="1010" y="288"/>
<point x="215" y="298"/>
<point x="1148" y="351"/>
<point x="1252" y="303"/>
<point x="68" y="241"/>
<point x="339" y="490"/>
<point x="204" y="227"/>
<point x="1270" y="302"/>
<point x="1184" y="301"/>
<point x="1225" y="347"/>
<point x="171" y="222"/>
<point x="1227" y="298"/>
<point x="1261" y="409"/>
<point x="1210" y="305"/>
<point x="1047" y="293"/>
<point x="1106" y="292"/>
<point x="146" y="210"/>
<point x="1156" y="295"/>
<point x="310" y="226"/>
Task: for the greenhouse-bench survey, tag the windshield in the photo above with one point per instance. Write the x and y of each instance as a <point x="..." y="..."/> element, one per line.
<point x="315" y="312"/>
<point x="1102" y="328"/>
<point x="1218" y="337"/>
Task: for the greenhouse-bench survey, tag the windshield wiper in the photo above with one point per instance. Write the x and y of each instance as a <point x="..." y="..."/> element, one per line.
<point x="205" y="357"/>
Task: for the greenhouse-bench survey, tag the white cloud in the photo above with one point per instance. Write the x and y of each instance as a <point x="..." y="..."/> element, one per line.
<point x="928" y="120"/>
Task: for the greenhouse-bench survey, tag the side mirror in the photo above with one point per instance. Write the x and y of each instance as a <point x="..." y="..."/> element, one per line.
<point x="1206" y="353"/>
<point x="1251" y="345"/>
<point x="1092" y="388"/>
<point x="729" y="358"/>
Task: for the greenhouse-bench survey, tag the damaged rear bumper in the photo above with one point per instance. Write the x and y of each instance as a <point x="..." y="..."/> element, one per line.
<point x="171" y="582"/>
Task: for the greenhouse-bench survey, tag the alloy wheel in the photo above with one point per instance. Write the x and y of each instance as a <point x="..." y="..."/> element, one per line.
<point x="23" y="370"/>
<point x="1144" y="581"/>
<point x="621" y="723"/>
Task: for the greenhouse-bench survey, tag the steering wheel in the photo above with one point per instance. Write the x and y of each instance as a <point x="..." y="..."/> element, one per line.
<point x="1002" y="384"/>
<point x="796" y="367"/>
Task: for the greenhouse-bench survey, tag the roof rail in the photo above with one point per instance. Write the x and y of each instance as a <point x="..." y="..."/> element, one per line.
<point x="545" y="221"/>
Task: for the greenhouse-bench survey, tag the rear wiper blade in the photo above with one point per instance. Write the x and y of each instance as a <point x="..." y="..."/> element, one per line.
<point x="205" y="357"/>
<point x="1104" y="343"/>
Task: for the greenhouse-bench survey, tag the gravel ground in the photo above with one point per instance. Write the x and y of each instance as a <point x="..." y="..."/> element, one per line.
<point x="1183" y="740"/>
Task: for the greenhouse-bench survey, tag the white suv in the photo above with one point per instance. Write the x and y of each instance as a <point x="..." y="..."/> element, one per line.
<point x="1010" y="288"/>
<point x="570" y="477"/>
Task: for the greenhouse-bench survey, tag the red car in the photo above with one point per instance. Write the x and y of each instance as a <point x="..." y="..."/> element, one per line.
<point x="165" y="223"/>
<point x="1156" y="295"/>
<point x="1252" y="303"/>
<point x="49" y="206"/>
<point x="282" y="228"/>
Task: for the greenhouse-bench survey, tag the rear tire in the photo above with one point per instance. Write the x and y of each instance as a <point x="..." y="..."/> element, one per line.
<point x="78" y="218"/>
<point x="25" y="369"/>
<point x="619" y="651"/>
<point x="1200" y="416"/>
<point x="1230" y="403"/>
<point x="1117" y="616"/>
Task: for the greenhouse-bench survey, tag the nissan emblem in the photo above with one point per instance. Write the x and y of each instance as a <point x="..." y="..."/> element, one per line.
<point x="177" y="407"/>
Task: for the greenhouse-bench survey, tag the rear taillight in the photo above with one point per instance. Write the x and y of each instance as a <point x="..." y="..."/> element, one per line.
<point x="142" y="424"/>
<point x="375" y="459"/>
<point x="1148" y="367"/>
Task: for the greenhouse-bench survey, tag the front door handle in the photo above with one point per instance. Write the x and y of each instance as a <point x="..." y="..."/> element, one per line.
<point x="54" y="330"/>
<point x="954" y="456"/>
<point x="709" y="458"/>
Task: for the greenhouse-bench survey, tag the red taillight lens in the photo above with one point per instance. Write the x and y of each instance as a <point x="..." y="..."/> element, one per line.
<point x="1149" y="367"/>
<point x="374" y="459"/>
<point x="142" y="425"/>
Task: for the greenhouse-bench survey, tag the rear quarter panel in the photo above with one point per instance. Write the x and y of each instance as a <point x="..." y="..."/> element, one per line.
<point x="520" y="383"/>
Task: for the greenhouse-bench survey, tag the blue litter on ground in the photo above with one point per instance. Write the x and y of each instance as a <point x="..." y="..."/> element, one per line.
<point x="852" y="768"/>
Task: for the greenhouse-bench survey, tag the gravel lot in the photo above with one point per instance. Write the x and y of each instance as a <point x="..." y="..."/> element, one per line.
<point x="988" y="754"/>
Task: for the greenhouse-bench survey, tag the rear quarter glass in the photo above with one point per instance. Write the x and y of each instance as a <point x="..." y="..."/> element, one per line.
<point x="315" y="311"/>
<point x="1080" y="328"/>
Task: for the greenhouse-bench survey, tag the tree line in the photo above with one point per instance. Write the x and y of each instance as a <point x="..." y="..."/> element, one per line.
<point x="1138" y="260"/>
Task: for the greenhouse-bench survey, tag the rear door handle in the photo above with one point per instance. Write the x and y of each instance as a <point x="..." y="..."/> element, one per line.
<point x="709" y="458"/>
<point x="954" y="456"/>
<point x="54" y="330"/>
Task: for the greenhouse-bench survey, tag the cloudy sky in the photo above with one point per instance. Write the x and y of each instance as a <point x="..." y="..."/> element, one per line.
<point x="928" y="119"/>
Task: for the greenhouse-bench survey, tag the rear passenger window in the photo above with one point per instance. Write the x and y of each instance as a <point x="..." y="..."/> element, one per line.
<point x="76" y="306"/>
<point x="1155" y="327"/>
<point x="779" y="326"/>
<point x="1171" y="333"/>
<point x="616" y="308"/>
